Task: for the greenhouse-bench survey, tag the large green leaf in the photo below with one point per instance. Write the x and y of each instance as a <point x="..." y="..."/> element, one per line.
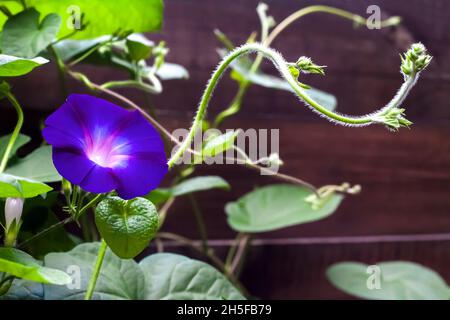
<point x="175" y="277"/>
<point x="24" y="266"/>
<point x="398" y="280"/>
<point x="119" y="278"/>
<point x="20" y="142"/>
<point x="37" y="166"/>
<point x="101" y="17"/>
<point x="187" y="186"/>
<point x="24" y="290"/>
<point x="276" y="206"/>
<point x="11" y="66"/>
<point x="159" y="276"/>
<point x="199" y="184"/>
<point x="25" y="36"/>
<point x="126" y="225"/>
<point x="19" y="187"/>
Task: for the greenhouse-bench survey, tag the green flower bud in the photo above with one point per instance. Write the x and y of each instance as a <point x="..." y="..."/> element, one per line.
<point x="305" y="65"/>
<point x="13" y="216"/>
<point x="414" y="60"/>
<point x="394" y="119"/>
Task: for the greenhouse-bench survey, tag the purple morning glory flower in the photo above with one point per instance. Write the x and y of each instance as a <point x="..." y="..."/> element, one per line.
<point x="102" y="147"/>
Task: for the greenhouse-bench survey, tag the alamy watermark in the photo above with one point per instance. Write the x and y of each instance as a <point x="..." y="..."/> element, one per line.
<point x="374" y="279"/>
<point x="251" y="146"/>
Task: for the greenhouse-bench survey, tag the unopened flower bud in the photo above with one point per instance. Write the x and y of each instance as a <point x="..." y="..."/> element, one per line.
<point x="13" y="215"/>
<point x="13" y="211"/>
<point x="305" y="65"/>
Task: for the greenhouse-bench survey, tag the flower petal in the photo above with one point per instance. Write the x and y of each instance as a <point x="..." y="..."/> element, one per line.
<point x="71" y="164"/>
<point x="99" y="118"/>
<point x="61" y="139"/>
<point x="99" y="180"/>
<point x="141" y="176"/>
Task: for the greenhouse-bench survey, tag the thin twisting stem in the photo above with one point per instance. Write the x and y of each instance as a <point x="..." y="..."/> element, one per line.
<point x="96" y="271"/>
<point x="267" y="40"/>
<point x="16" y="131"/>
<point x="46" y="231"/>
<point x="323" y="9"/>
<point x="283" y="69"/>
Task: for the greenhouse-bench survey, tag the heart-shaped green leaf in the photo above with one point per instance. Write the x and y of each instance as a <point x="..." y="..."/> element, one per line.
<point x="11" y="66"/>
<point x="126" y="225"/>
<point x="275" y="207"/>
<point x="159" y="276"/>
<point x="24" y="36"/>
<point x="37" y="166"/>
<point x="22" y="265"/>
<point x="19" y="187"/>
<point x="20" y="142"/>
<point x="396" y="280"/>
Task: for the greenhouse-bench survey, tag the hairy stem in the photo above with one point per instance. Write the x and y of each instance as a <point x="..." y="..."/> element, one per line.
<point x="15" y="132"/>
<point x="283" y="69"/>
<point x="267" y="40"/>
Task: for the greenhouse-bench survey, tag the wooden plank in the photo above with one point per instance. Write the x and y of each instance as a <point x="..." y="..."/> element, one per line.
<point x="405" y="178"/>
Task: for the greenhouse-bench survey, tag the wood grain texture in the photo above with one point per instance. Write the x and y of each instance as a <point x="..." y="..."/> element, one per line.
<point x="405" y="176"/>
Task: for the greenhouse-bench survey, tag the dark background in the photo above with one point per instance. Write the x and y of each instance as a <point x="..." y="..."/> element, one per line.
<point x="403" y="212"/>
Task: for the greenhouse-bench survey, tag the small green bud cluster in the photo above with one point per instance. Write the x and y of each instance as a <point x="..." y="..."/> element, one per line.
<point x="415" y="59"/>
<point x="394" y="119"/>
<point x="305" y="65"/>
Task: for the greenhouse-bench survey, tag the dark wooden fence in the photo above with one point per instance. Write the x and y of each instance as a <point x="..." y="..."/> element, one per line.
<point x="403" y="212"/>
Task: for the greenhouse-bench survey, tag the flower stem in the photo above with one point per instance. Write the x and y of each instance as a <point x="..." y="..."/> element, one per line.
<point x="16" y="131"/>
<point x="200" y="222"/>
<point x="89" y="204"/>
<point x="155" y="88"/>
<point x="61" y="69"/>
<point x="46" y="231"/>
<point x="359" y="20"/>
<point x="96" y="272"/>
